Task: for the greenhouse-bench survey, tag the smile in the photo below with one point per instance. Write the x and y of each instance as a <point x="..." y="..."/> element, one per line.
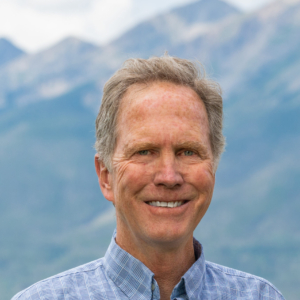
<point x="166" y="204"/>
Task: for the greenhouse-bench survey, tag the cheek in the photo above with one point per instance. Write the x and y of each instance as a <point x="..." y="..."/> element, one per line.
<point x="130" y="179"/>
<point x="202" y="179"/>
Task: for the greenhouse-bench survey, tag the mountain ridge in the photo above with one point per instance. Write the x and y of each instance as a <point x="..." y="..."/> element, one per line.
<point x="8" y="51"/>
<point x="45" y="68"/>
<point x="171" y="26"/>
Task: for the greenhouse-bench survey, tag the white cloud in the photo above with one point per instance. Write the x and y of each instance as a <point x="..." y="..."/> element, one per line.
<point x="37" y="24"/>
<point x="60" y="6"/>
<point x="32" y="28"/>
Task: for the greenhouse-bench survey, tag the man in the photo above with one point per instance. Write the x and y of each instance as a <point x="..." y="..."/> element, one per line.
<point x="159" y="140"/>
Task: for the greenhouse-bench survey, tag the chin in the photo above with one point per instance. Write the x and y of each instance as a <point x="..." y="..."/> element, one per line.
<point x="169" y="236"/>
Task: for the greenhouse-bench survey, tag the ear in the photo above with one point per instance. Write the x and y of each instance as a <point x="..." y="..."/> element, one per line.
<point x="104" y="179"/>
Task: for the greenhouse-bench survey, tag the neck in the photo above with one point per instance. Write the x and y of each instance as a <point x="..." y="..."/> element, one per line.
<point x="169" y="268"/>
<point x="168" y="262"/>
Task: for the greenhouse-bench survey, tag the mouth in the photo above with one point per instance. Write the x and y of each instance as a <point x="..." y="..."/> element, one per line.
<point x="169" y="204"/>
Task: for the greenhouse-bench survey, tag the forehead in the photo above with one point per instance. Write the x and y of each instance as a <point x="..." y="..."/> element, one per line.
<point x="162" y="95"/>
<point x="162" y="108"/>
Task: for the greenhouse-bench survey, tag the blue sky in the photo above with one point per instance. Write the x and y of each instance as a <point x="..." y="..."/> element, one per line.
<point x="37" y="24"/>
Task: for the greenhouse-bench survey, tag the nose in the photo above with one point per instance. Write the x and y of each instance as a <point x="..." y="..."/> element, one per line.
<point x="167" y="173"/>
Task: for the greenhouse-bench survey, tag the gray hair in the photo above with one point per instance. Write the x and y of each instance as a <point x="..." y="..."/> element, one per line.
<point x="172" y="69"/>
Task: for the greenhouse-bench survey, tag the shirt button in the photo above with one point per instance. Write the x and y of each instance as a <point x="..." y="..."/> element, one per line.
<point x="153" y="287"/>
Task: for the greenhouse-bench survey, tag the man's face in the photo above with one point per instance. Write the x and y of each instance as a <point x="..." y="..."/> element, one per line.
<point x="162" y="158"/>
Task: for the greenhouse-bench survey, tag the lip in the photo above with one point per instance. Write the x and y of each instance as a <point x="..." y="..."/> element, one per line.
<point x="184" y="202"/>
<point x="168" y="210"/>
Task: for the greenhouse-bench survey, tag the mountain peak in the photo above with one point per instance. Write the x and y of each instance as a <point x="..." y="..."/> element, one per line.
<point x="67" y="48"/>
<point x="168" y="29"/>
<point x="205" y="11"/>
<point x="8" y="51"/>
<point x="72" y="40"/>
<point x="73" y="43"/>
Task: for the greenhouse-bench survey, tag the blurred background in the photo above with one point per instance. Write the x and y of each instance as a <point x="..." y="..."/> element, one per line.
<point x="55" y="57"/>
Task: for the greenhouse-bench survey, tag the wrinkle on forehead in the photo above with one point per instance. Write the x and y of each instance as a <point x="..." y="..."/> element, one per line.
<point x="136" y="100"/>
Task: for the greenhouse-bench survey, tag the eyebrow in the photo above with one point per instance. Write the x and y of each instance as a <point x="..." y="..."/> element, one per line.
<point x="194" y="145"/>
<point x="131" y="148"/>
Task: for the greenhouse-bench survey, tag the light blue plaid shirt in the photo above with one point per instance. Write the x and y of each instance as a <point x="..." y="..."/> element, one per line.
<point x="120" y="276"/>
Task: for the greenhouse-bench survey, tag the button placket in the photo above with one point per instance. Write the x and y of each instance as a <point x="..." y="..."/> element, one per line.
<point x="155" y="290"/>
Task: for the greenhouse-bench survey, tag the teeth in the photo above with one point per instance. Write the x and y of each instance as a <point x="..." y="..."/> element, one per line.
<point x="166" y="204"/>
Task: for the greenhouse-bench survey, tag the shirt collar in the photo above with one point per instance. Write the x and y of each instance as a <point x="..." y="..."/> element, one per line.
<point x="137" y="281"/>
<point x="194" y="277"/>
<point x="128" y="273"/>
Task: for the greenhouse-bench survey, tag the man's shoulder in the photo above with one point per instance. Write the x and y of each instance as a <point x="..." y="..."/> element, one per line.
<point x="76" y="278"/>
<point x="241" y="282"/>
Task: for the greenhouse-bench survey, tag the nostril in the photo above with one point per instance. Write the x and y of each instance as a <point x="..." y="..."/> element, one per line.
<point x="170" y="185"/>
<point x="168" y="181"/>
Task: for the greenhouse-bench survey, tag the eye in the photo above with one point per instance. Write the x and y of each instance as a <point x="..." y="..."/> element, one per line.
<point x="188" y="153"/>
<point x="143" y="152"/>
